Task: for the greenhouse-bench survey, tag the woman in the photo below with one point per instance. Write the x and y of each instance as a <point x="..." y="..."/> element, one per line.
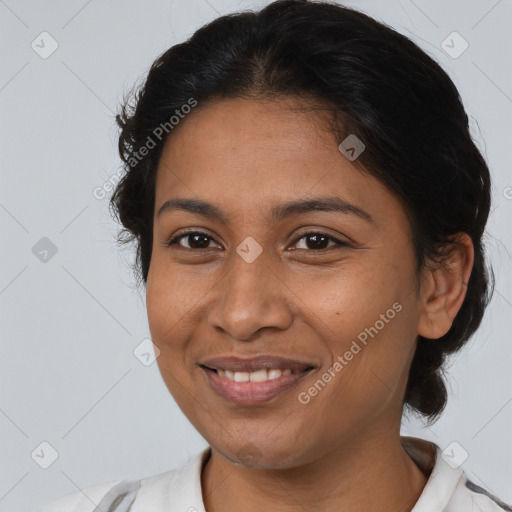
<point x="308" y="208"/>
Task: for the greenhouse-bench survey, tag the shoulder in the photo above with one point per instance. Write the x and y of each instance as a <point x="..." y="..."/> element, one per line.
<point x="448" y="487"/>
<point x="84" y="500"/>
<point x="156" y="491"/>
<point x="469" y="497"/>
<point x="115" y="495"/>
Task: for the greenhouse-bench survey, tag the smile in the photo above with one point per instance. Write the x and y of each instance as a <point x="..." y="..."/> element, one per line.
<point x="257" y="376"/>
<point x="252" y="392"/>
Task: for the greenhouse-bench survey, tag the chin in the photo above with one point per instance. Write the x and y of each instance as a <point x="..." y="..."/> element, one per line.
<point x="261" y="453"/>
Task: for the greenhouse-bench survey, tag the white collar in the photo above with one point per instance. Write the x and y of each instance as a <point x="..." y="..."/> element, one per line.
<point x="443" y="479"/>
<point x="179" y="490"/>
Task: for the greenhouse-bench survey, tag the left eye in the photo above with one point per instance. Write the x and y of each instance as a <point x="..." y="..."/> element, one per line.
<point x="318" y="241"/>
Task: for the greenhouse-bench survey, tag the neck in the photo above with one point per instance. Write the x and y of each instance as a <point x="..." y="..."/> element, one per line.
<point x="373" y="473"/>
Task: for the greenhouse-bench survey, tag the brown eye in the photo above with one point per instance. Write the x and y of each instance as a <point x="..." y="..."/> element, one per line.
<point x="195" y="240"/>
<point x="317" y="241"/>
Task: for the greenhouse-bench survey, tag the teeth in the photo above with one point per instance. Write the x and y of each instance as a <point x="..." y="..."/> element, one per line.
<point x="257" y="376"/>
<point x="241" y="377"/>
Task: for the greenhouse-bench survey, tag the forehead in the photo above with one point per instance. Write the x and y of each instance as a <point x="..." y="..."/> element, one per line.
<point x="264" y="117"/>
<point x="242" y="152"/>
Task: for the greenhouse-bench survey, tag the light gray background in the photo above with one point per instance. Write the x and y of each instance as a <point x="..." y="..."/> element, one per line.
<point x="69" y="326"/>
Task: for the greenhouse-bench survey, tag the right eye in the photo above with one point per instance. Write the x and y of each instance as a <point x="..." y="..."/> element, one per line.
<point x="194" y="238"/>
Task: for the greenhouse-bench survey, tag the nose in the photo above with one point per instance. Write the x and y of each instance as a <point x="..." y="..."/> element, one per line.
<point x="250" y="297"/>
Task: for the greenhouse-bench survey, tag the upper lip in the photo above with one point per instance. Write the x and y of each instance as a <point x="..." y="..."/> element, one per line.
<point x="252" y="364"/>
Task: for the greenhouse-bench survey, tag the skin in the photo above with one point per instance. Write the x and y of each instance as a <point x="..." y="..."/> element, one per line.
<point x="340" y="451"/>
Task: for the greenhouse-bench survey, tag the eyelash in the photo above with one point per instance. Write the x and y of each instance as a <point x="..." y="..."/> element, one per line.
<point x="340" y="243"/>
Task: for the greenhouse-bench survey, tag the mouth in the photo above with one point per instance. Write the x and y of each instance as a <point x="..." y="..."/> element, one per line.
<point x="247" y="382"/>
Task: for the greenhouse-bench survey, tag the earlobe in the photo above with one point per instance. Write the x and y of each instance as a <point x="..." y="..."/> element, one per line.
<point x="444" y="288"/>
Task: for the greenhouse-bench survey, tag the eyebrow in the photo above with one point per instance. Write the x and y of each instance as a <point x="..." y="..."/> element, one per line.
<point x="279" y="212"/>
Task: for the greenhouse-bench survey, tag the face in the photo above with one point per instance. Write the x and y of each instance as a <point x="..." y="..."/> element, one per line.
<point x="247" y="287"/>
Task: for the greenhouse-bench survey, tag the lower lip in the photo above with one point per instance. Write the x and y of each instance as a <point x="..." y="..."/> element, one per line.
<point x="251" y="393"/>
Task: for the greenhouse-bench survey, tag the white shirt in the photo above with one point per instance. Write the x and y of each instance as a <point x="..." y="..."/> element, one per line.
<point x="179" y="490"/>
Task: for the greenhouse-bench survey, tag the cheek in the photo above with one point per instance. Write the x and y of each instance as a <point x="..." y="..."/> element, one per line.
<point x="376" y="377"/>
<point x="167" y="325"/>
<point x="165" y="316"/>
<point x="169" y="299"/>
<point x="175" y="307"/>
<point x="157" y="304"/>
<point x="371" y="320"/>
<point x="354" y="295"/>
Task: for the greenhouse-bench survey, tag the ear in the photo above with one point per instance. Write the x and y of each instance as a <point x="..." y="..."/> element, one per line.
<point x="443" y="288"/>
